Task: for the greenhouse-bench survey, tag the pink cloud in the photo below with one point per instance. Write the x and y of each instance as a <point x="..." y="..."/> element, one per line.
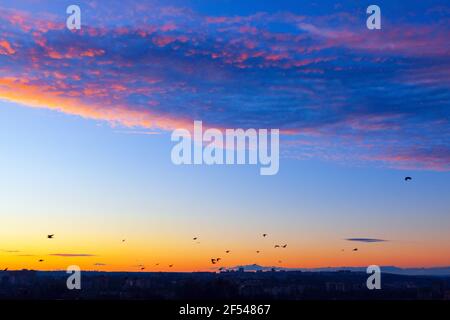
<point x="6" y="48"/>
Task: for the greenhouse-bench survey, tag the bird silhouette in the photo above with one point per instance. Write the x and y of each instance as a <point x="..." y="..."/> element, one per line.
<point x="143" y="268"/>
<point x="218" y="259"/>
<point x="257" y="251"/>
<point x="228" y="251"/>
<point x="264" y="235"/>
<point x="195" y="238"/>
<point x="123" y="240"/>
<point x="50" y="236"/>
<point x="284" y="246"/>
<point x="356" y="249"/>
<point x="408" y="178"/>
<point x="276" y="246"/>
<point x="221" y="268"/>
<point x="41" y="260"/>
<point x="213" y="261"/>
<point x="170" y="265"/>
<point x="156" y="264"/>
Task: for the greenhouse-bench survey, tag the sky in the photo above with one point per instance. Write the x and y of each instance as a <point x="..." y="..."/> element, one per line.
<point x="86" y="118"/>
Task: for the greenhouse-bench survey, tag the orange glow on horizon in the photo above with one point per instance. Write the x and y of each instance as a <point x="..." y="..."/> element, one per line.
<point x="191" y="257"/>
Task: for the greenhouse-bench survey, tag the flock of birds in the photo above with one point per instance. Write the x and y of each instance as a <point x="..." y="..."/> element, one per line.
<point x="214" y="260"/>
<point x="217" y="260"/>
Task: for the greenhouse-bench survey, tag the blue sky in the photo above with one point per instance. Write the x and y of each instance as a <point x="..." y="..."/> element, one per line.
<point x="83" y="177"/>
<point x="86" y="117"/>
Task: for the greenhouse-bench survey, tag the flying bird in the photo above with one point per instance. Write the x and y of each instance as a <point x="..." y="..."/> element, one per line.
<point x="228" y="251"/>
<point x="264" y="235"/>
<point x="170" y="265"/>
<point x="41" y="260"/>
<point x="408" y="178"/>
<point x="257" y="251"/>
<point x="213" y="261"/>
<point x="123" y="240"/>
<point x="218" y="259"/>
<point x="221" y="268"/>
<point x="195" y="238"/>
<point x="50" y="236"/>
<point x="143" y="268"/>
<point x="284" y="246"/>
<point x="157" y="264"/>
<point x="277" y="246"/>
<point x="356" y="249"/>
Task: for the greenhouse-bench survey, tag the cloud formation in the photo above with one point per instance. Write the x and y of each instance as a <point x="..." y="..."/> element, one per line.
<point x="366" y="240"/>
<point x="72" y="255"/>
<point x="336" y="89"/>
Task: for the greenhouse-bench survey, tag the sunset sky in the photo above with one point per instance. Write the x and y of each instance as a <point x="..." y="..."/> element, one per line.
<point x="86" y="118"/>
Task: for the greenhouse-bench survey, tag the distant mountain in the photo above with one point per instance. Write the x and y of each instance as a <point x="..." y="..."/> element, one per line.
<point x="436" y="271"/>
<point x="255" y="267"/>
